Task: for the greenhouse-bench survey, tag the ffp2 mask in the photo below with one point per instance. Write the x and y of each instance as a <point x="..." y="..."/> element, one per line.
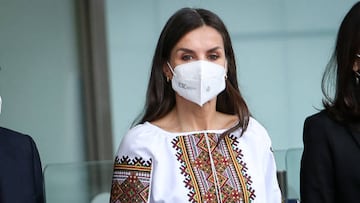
<point x="198" y="81"/>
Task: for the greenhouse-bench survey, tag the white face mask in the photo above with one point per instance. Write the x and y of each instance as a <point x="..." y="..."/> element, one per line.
<point x="198" y="81"/>
<point x="0" y="104"/>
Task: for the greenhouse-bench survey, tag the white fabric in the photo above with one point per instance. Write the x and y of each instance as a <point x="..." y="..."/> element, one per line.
<point x="198" y="81"/>
<point x="167" y="183"/>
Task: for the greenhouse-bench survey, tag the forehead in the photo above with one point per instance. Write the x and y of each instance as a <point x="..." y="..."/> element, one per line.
<point x="202" y="38"/>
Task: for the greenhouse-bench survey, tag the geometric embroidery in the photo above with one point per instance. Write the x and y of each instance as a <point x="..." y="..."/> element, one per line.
<point x="234" y="183"/>
<point x="131" y="180"/>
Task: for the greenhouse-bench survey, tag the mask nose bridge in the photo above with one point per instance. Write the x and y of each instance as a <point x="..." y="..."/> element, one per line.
<point x="202" y="68"/>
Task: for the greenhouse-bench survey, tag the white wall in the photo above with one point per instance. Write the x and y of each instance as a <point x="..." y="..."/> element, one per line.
<point x="39" y="76"/>
<point x="281" y="47"/>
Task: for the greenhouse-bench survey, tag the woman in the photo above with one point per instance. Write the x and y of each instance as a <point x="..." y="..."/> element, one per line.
<point x="330" y="166"/>
<point x="196" y="141"/>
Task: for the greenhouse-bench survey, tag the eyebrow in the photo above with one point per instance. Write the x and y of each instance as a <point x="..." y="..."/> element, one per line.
<point x="191" y="51"/>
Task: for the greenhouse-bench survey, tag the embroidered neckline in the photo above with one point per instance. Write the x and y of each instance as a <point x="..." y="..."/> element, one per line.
<point x="234" y="183"/>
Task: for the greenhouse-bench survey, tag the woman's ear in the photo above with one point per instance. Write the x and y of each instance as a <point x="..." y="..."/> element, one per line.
<point x="167" y="72"/>
<point x="356" y="66"/>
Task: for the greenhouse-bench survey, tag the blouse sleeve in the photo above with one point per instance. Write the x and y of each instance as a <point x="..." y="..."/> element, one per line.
<point x="132" y="168"/>
<point x="273" y="192"/>
<point x="262" y="148"/>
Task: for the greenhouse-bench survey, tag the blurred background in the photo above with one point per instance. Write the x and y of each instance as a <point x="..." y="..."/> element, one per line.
<point x="73" y="73"/>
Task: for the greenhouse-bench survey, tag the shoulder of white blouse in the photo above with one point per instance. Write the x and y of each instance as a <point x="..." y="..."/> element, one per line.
<point x="141" y="137"/>
<point x="256" y="130"/>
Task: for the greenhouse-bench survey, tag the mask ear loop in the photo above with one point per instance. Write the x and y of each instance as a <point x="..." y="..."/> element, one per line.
<point x="357" y="76"/>
<point x="171" y="69"/>
<point x="226" y="69"/>
<point x="357" y="73"/>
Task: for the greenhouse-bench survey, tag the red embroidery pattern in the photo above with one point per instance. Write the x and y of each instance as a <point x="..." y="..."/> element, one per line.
<point x="231" y="170"/>
<point x="131" y="180"/>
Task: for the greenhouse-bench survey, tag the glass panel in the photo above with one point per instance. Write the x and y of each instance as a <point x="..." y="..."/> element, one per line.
<point x="293" y="158"/>
<point x="279" y="156"/>
<point x="280" y="159"/>
<point x="78" y="182"/>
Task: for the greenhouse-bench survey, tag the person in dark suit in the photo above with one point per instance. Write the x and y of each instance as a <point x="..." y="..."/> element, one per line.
<point x="330" y="165"/>
<point x="21" y="178"/>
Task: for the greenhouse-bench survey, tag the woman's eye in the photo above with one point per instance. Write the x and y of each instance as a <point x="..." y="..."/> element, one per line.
<point x="187" y="57"/>
<point x="213" y="57"/>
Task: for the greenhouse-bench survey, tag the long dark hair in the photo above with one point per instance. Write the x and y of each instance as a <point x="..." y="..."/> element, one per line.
<point x="160" y="98"/>
<point x="341" y="92"/>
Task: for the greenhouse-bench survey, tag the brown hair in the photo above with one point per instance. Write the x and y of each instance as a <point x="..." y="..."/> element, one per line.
<point x="341" y="92"/>
<point x="160" y="95"/>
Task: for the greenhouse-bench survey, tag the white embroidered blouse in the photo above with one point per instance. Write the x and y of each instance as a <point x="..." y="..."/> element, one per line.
<point x="153" y="165"/>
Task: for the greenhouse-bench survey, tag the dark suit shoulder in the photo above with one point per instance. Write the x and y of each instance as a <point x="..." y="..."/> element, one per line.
<point x="10" y="136"/>
<point x="321" y="116"/>
<point x="21" y="171"/>
<point x="321" y="119"/>
<point x="321" y="128"/>
<point x="318" y="127"/>
<point x="10" y="140"/>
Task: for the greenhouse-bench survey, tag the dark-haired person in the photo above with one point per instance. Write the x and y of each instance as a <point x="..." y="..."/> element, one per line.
<point x="330" y="166"/>
<point x="196" y="141"/>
